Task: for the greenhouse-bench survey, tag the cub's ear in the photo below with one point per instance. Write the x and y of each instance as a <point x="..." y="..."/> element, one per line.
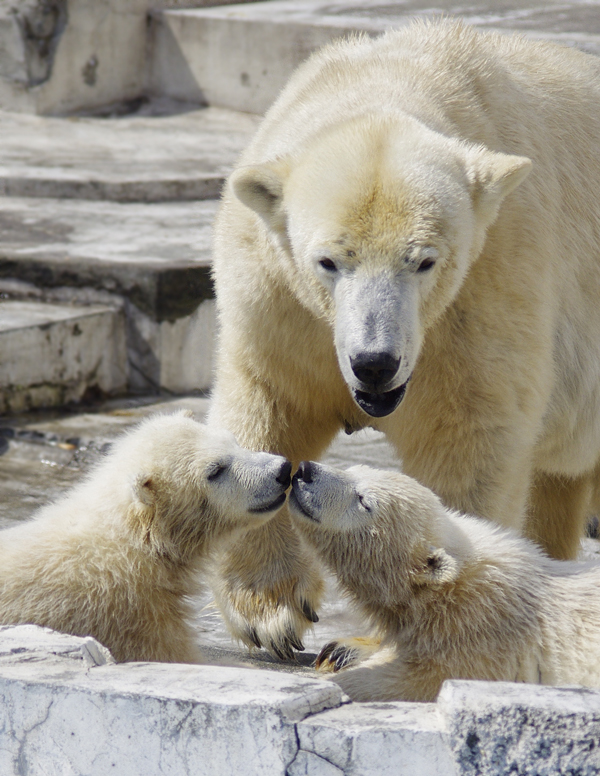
<point x="261" y="189"/>
<point x="438" y="569"/>
<point x="492" y="177"/>
<point x="142" y="509"/>
<point x="144" y="490"/>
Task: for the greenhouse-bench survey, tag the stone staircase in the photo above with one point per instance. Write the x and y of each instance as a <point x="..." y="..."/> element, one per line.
<point x="116" y="212"/>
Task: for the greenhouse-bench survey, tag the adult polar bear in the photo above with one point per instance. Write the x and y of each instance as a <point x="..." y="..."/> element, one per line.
<point x="421" y="206"/>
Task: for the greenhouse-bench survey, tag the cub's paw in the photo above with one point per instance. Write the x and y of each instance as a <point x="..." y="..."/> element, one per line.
<point x="337" y="655"/>
<point x="274" y="618"/>
<point x="268" y="588"/>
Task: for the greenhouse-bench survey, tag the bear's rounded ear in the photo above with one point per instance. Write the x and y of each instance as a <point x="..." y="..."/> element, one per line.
<point x="492" y="176"/>
<point x="144" y="490"/>
<point x="142" y="511"/>
<point x="439" y="569"/>
<point x="261" y="189"/>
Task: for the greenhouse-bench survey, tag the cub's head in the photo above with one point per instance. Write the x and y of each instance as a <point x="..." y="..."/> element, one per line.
<point x="377" y="530"/>
<point x="377" y="221"/>
<point x="188" y="484"/>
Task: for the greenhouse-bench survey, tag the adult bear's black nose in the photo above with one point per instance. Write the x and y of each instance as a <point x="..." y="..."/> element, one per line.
<point x="375" y="370"/>
<point x="284" y="477"/>
<point x="305" y="471"/>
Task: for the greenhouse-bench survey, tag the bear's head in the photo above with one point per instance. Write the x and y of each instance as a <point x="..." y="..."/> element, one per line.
<point x="376" y="221"/>
<point x="187" y="484"/>
<point x="378" y="531"/>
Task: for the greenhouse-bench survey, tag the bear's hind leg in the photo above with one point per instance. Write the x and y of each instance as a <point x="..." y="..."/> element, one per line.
<point x="558" y="510"/>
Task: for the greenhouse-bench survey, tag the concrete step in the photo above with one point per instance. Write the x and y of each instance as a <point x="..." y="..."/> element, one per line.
<point x="141" y="158"/>
<point x="241" y="56"/>
<point x="150" y="260"/>
<point x="55" y="354"/>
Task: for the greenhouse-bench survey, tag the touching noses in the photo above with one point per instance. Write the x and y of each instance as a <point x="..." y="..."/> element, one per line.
<point x="284" y="477"/>
<point x="375" y="370"/>
<point x="304" y="472"/>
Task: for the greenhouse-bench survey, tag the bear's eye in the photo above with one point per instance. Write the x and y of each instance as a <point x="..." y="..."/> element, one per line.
<point x="363" y="503"/>
<point x="425" y="265"/>
<point x="215" y="471"/>
<point x="328" y="264"/>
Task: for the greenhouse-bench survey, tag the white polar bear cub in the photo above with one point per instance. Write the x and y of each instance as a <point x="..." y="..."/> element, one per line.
<point x="117" y="558"/>
<point x="452" y="596"/>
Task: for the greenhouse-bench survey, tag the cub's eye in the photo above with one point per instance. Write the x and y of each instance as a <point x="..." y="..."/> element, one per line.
<point x="363" y="503"/>
<point x="328" y="264"/>
<point x="216" y="471"/>
<point x="425" y="265"/>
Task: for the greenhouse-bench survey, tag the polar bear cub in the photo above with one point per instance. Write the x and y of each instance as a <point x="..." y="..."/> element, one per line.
<point x="451" y="596"/>
<point x="118" y="557"/>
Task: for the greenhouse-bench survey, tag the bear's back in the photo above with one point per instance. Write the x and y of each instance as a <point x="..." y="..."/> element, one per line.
<point x="457" y="80"/>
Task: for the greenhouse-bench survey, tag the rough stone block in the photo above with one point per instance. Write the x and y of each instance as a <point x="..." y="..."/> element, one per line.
<point x="309" y="764"/>
<point x="60" y="56"/>
<point x="58" y="716"/>
<point x="378" y="739"/>
<point x="497" y="728"/>
<point x="238" y="56"/>
<point x="52" y="354"/>
<point x="175" y="355"/>
<point x="23" y="643"/>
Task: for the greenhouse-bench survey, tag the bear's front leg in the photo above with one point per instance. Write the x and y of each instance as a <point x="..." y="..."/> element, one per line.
<point x="268" y="588"/>
<point x="267" y="584"/>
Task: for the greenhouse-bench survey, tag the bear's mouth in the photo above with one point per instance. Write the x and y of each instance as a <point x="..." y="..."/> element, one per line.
<point x="297" y="506"/>
<point x="378" y="405"/>
<point x="269" y="507"/>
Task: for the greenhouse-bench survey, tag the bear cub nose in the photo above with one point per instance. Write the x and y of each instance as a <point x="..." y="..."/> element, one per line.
<point x="375" y="369"/>
<point x="284" y="477"/>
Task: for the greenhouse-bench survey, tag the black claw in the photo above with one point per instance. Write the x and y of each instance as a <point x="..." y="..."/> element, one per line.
<point x="325" y="653"/>
<point x="253" y="636"/>
<point x="280" y="654"/>
<point x="309" y="612"/>
<point x="294" y="641"/>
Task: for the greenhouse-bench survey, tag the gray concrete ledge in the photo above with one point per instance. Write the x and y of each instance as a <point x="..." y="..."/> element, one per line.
<point x="141" y="158"/>
<point x="66" y="708"/>
<point x="155" y="255"/>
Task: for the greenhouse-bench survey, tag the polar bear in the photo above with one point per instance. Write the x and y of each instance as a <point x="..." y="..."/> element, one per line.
<point x="452" y="596"/>
<point x="118" y="557"/>
<point x="412" y="242"/>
